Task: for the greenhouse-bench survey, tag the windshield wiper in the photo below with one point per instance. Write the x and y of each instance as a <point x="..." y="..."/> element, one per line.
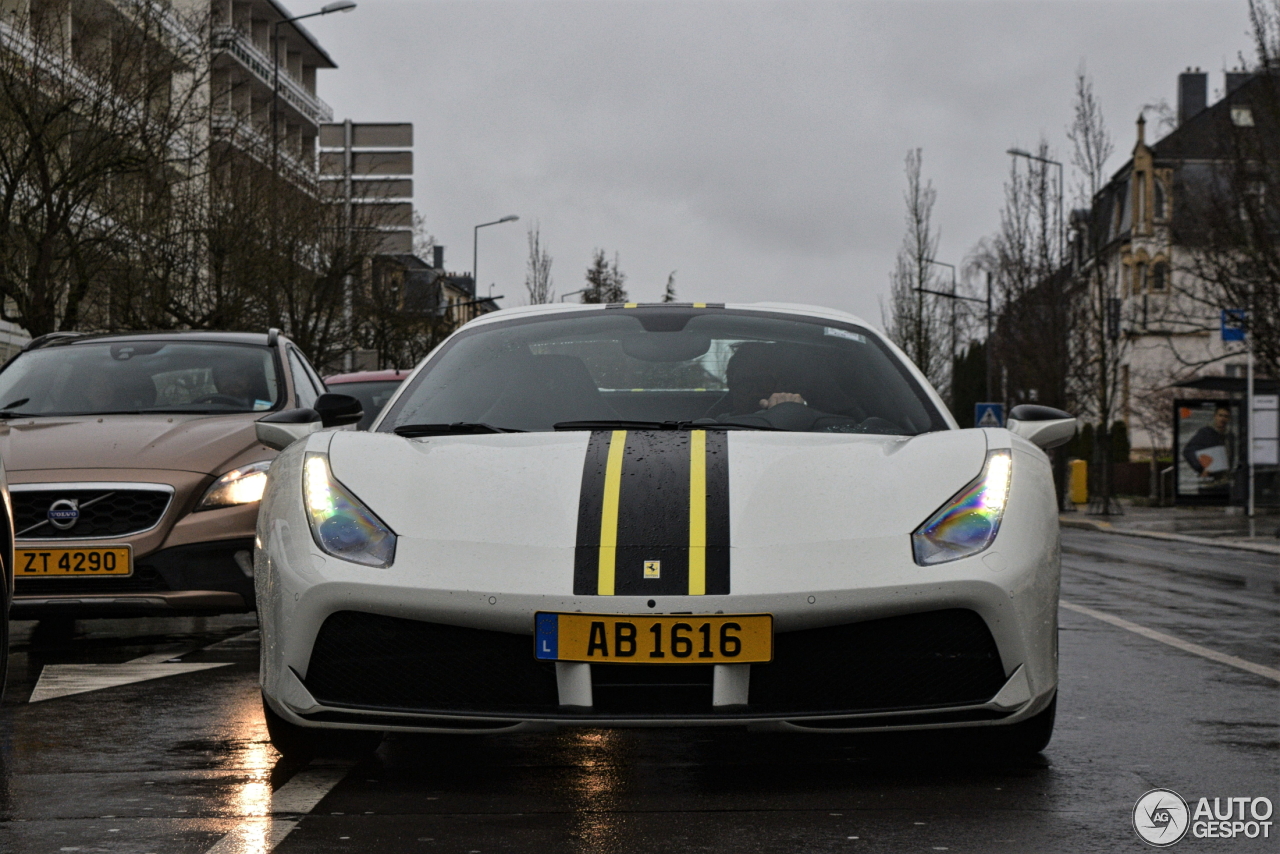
<point x="700" y="424"/>
<point x="9" y="406"/>
<point x="457" y="428"/>
<point x="619" y="424"/>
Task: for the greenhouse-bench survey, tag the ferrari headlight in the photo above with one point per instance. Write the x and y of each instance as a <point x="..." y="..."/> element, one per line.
<point x="969" y="522"/>
<point x="341" y="525"/>
<point x="238" y="486"/>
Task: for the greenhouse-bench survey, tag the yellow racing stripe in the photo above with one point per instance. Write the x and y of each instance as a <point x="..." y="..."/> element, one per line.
<point x="609" y="514"/>
<point x="698" y="513"/>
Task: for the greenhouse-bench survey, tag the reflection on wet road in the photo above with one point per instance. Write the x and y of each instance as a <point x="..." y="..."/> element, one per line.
<point x="147" y="736"/>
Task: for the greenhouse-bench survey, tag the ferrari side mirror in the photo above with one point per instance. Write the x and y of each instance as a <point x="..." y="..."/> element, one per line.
<point x="337" y="410"/>
<point x="1042" y="425"/>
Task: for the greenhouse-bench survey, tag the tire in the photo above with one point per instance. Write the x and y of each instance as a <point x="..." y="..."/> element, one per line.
<point x="300" y="742"/>
<point x="1026" y="738"/>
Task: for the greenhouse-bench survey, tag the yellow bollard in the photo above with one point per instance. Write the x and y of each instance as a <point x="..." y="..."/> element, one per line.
<point x="1079" y="482"/>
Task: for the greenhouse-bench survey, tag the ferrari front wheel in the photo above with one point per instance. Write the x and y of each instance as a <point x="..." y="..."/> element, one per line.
<point x="301" y="742"/>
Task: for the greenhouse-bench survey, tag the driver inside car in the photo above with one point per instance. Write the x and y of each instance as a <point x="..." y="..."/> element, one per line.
<point x="753" y="380"/>
<point x="243" y="382"/>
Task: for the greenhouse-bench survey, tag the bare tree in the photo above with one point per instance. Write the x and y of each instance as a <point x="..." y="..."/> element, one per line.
<point x="916" y="321"/>
<point x="669" y="294"/>
<point x="101" y="135"/>
<point x="605" y="282"/>
<point x="1097" y="345"/>
<point x="537" y="277"/>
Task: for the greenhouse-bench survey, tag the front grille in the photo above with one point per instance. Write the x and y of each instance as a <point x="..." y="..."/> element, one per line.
<point x="103" y="512"/>
<point x="919" y="661"/>
<point x="939" y="658"/>
<point x="390" y="663"/>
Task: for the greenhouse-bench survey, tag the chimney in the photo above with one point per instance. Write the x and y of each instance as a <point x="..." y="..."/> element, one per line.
<point x="1193" y="93"/>
<point x="437" y="257"/>
<point x="1236" y="79"/>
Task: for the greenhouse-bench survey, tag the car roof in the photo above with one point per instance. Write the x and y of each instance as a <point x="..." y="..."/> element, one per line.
<point x="780" y="307"/>
<point x="68" y="339"/>
<point x="396" y="374"/>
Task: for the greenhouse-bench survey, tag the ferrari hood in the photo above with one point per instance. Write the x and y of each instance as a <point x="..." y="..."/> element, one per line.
<point x="195" y="443"/>
<point x="621" y="489"/>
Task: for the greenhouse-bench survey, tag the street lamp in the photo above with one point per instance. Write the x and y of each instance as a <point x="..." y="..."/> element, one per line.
<point x="337" y="6"/>
<point x="1062" y="234"/>
<point x="475" y="242"/>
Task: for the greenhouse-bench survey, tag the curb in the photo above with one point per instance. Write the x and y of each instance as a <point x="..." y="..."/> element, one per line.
<point x="1108" y="528"/>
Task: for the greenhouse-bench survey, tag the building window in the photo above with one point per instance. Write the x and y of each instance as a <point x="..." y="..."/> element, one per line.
<point x="1159" y="277"/>
<point x="1160" y="204"/>
<point x="1242" y="117"/>
<point x="1139" y="277"/>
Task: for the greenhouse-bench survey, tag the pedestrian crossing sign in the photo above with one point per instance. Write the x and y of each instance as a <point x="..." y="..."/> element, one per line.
<point x="988" y="415"/>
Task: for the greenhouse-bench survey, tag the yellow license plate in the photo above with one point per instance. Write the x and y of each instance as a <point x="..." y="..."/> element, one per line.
<point x="113" y="560"/>
<point x="676" y="639"/>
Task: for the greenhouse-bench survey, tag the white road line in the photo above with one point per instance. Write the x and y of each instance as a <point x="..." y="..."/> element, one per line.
<point x="65" y="680"/>
<point x="289" y="803"/>
<point x="1177" y="643"/>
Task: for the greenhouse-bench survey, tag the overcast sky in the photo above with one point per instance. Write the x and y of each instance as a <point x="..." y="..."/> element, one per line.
<point x="756" y="148"/>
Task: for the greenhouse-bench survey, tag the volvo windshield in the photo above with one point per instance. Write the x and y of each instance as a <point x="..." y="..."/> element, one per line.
<point x="123" y="376"/>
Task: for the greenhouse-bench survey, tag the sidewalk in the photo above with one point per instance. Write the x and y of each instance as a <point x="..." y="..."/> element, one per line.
<point x="1204" y="525"/>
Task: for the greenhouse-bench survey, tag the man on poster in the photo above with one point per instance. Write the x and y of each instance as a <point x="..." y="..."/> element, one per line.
<point x="1206" y="451"/>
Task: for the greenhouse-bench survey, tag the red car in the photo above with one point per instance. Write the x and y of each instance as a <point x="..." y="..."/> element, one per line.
<point x="371" y="388"/>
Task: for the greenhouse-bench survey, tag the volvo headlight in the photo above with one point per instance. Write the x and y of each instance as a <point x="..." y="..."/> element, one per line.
<point x="969" y="522"/>
<point x="238" y="486"/>
<point x="341" y="525"/>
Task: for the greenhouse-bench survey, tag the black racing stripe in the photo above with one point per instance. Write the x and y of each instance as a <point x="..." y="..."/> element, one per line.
<point x="586" y="557"/>
<point x="717" y="513"/>
<point x="653" y="514"/>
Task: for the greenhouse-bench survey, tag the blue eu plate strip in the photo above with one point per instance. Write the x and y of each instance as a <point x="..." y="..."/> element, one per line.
<point x="546" y="636"/>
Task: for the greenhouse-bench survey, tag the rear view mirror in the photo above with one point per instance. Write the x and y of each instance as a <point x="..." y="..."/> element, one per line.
<point x="666" y="346"/>
<point x="1042" y="425"/>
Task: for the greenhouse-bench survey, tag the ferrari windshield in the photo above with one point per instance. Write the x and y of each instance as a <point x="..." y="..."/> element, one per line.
<point x="666" y="367"/>
<point x="123" y="376"/>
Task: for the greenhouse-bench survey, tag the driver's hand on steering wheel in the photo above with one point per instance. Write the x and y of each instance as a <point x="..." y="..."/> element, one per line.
<point x="781" y="397"/>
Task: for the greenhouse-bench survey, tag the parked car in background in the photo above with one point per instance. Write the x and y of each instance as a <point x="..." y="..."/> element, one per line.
<point x="6" y="573"/>
<point x="135" y="470"/>
<point x="372" y="388"/>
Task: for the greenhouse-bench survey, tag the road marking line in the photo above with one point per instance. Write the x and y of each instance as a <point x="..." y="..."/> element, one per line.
<point x="65" y="680"/>
<point x="294" y="799"/>
<point x="1178" y="643"/>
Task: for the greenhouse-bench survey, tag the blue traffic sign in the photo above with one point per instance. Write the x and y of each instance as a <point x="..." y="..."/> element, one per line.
<point x="1233" y="324"/>
<point x="988" y="415"/>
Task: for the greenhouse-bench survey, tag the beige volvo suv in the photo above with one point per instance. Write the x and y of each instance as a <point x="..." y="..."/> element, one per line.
<point x="135" y="470"/>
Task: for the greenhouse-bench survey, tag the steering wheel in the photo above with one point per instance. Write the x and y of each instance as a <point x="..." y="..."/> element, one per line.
<point x="220" y="398"/>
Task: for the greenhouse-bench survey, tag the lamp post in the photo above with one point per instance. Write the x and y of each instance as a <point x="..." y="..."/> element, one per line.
<point x="1062" y="234"/>
<point x="953" y="296"/>
<point x="475" y="248"/>
<point x="337" y="6"/>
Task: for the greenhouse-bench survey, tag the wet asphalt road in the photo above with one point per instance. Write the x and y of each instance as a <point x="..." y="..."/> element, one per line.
<point x="181" y="763"/>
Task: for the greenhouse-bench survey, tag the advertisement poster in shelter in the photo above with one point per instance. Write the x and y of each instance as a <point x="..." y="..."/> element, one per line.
<point x="1206" y="439"/>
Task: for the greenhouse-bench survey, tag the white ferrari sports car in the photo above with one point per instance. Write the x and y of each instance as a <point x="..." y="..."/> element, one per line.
<point x="650" y="515"/>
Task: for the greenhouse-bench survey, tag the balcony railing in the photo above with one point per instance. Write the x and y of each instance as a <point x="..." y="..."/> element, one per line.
<point x="239" y="45"/>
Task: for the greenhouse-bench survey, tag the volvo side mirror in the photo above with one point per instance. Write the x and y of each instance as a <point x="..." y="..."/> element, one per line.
<point x="279" y="430"/>
<point x="1042" y="425"/>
